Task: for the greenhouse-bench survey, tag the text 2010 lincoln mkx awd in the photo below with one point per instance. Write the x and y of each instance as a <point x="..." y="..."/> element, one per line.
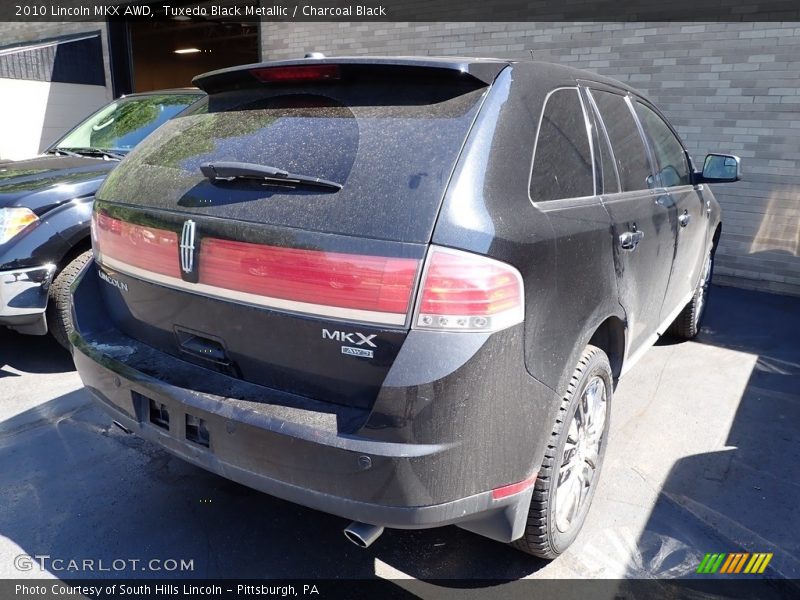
<point x="397" y="290"/>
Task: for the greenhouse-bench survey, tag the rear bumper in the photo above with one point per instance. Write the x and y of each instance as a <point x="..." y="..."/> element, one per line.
<point x="286" y="459"/>
<point x="430" y="452"/>
<point x="23" y="298"/>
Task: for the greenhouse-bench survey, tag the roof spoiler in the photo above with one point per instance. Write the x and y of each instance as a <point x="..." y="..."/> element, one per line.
<point x="481" y="70"/>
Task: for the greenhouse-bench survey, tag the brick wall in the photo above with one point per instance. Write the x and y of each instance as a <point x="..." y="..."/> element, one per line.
<point x="728" y="87"/>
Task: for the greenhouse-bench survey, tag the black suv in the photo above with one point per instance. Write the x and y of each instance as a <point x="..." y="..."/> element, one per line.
<point x="397" y="290"/>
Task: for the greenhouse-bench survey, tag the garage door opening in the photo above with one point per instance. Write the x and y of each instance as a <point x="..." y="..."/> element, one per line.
<point x="168" y="53"/>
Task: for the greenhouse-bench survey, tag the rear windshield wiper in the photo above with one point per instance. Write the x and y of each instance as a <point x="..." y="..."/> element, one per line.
<point x="92" y="152"/>
<point x="229" y="171"/>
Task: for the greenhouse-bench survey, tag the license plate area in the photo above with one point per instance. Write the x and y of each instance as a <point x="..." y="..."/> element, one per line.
<point x="195" y="428"/>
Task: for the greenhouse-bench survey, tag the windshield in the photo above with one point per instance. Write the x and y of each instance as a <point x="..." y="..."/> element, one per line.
<point x="119" y="126"/>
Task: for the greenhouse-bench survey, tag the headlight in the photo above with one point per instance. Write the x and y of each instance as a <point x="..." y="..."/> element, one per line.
<point x="13" y="221"/>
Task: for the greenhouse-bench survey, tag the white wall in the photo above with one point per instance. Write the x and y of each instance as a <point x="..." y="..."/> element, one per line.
<point x="33" y="114"/>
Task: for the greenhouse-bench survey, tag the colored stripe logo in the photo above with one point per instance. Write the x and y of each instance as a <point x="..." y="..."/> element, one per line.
<point x="733" y="563"/>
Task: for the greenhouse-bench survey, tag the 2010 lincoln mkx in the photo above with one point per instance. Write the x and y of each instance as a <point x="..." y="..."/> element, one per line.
<point x="397" y="290"/>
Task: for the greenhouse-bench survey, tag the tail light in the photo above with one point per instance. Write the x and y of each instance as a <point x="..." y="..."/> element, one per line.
<point x="459" y="291"/>
<point x="467" y="292"/>
<point x="357" y="287"/>
<point x="144" y="248"/>
<point x="310" y="279"/>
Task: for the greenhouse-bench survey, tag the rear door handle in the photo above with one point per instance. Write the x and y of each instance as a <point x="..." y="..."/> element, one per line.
<point x="630" y="239"/>
<point x="684" y="219"/>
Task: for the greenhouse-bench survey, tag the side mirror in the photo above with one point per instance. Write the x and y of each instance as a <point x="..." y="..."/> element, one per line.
<point x="721" y="168"/>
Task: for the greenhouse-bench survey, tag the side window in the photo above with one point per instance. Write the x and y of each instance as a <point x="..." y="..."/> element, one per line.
<point x="626" y="142"/>
<point x="562" y="164"/>
<point x="671" y="158"/>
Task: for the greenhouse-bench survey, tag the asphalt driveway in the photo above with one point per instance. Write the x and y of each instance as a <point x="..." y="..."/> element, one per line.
<point x="703" y="457"/>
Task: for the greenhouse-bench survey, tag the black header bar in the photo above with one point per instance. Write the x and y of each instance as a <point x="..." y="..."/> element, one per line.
<point x="404" y="10"/>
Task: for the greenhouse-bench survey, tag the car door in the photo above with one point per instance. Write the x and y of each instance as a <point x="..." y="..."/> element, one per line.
<point x="642" y="236"/>
<point x="564" y="186"/>
<point x="691" y="222"/>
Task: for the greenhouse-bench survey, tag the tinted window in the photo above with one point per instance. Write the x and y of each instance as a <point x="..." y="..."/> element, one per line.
<point x="562" y="165"/>
<point x="672" y="165"/>
<point x="626" y="142"/>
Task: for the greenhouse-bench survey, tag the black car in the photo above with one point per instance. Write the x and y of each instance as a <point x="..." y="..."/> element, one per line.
<point x="46" y="203"/>
<point x="397" y="290"/>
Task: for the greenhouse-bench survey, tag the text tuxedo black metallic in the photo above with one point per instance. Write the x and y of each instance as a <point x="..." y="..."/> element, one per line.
<point x="397" y="290"/>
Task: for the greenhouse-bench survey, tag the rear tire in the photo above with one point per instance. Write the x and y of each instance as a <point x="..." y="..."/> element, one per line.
<point x="59" y="313"/>
<point x="687" y="324"/>
<point x="573" y="458"/>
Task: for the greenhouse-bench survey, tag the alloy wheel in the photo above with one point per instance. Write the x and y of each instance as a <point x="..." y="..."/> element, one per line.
<point x="580" y="456"/>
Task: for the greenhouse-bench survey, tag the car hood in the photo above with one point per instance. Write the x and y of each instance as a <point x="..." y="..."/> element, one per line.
<point x="43" y="182"/>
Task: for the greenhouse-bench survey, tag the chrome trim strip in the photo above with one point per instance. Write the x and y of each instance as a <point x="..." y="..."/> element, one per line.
<point x="306" y="308"/>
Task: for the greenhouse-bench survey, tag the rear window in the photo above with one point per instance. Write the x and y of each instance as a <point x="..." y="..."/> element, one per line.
<point x="391" y="145"/>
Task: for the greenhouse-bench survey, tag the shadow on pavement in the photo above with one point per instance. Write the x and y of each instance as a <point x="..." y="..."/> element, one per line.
<point x="74" y="486"/>
<point x="32" y="354"/>
<point x="743" y="499"/>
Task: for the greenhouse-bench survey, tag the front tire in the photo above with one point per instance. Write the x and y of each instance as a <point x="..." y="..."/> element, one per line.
<point x="568" y="477"/>
<point x="59" y="313"/>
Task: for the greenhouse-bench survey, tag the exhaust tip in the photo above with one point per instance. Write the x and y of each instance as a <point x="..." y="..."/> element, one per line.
<point x="362" y="534"/>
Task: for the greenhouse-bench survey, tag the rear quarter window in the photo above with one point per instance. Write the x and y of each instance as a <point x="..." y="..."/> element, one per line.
<point x="562" y="161"/>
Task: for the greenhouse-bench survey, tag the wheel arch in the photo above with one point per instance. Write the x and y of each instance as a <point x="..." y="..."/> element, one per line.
<point x="79" y="247"/>
<point x="609" y="336"/>
<point x="606" y="329"/>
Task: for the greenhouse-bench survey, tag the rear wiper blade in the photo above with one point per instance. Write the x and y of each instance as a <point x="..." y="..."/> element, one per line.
<point x="229" y="171"/>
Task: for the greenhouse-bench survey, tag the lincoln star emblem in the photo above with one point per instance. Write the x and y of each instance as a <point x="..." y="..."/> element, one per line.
<point x="187" y="246"/>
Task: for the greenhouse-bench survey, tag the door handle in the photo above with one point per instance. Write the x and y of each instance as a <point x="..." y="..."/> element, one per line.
<point x="630" y="239"/>
<point x="684" y="219"/>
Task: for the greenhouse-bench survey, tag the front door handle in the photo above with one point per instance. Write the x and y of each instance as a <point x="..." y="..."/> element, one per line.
<point x="630" y="239"/>
<point x="684" y="219"/>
